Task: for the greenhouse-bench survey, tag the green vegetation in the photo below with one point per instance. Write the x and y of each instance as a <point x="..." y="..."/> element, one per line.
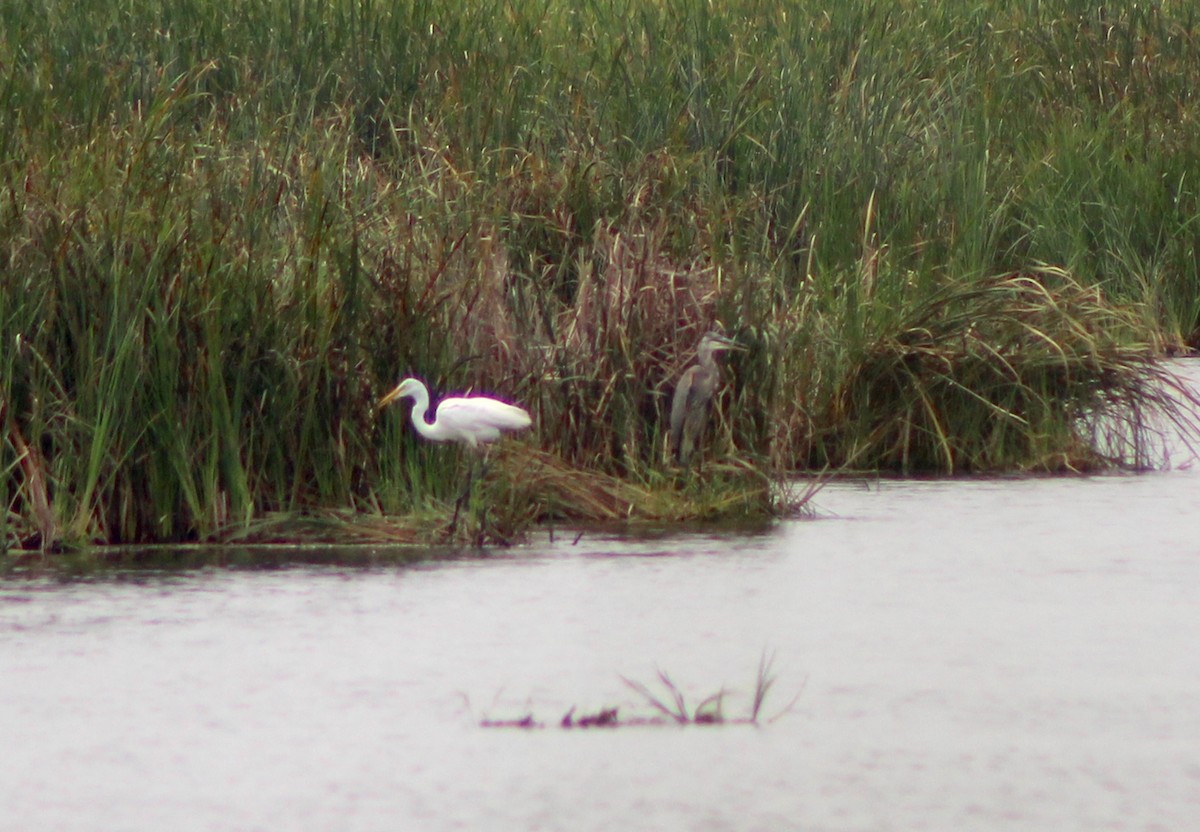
<point x="954" y="238"/>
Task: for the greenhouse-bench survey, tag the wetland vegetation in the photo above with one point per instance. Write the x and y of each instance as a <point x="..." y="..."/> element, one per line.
<point x="953" y="238"/>
<point x="668" y="705"/>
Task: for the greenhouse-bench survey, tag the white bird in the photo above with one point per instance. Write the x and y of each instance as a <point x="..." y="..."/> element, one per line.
<point x="472" y="420"/>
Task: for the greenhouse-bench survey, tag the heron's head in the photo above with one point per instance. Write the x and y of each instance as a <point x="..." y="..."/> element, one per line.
<point x="715" y="341"/>
<point x="408" y="387"/>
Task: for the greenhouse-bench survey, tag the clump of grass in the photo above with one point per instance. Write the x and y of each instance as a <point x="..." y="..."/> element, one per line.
<point x="1019" y="371"/>
<point x="556" y="490"/>
<point x="524" y="486"/>
<point x="672" y="704"/>
<point x="669" y="706"/>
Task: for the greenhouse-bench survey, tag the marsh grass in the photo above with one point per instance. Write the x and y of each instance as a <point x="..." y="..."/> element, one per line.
<point x="669" y="705"/>
<point x="952" y="238"/>
<point x="671" y="702"/>
<point x="1016" y="372"/>
<point x="525" y="486"/>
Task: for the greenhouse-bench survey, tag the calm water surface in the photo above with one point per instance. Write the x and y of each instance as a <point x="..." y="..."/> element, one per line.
<point x="978" y="655"/>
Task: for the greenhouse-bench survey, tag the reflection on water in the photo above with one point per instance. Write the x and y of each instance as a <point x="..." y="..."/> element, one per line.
<point x="983" y="654"/>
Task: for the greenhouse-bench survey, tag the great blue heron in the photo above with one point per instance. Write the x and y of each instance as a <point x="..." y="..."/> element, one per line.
<point x="693" y="396"/>
<point x="471" y="420"/>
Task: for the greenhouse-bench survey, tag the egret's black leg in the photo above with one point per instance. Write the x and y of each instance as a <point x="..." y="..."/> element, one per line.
<point x="458" y="504"/>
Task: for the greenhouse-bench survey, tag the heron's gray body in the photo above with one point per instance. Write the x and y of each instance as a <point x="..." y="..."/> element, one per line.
<point x="693" y="397"/>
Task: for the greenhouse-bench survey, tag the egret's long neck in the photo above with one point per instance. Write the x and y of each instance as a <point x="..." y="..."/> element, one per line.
<point x="434" y="431"/>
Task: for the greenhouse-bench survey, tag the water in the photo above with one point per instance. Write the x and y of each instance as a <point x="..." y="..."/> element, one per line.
<point x="986" y="654"/>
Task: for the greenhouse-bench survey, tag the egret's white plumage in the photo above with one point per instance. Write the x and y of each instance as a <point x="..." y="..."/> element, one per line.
<point x="468" y="419"/>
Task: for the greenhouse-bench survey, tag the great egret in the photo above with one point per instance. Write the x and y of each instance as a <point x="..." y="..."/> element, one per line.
<point x="693" y="396"/>
<point x="471" y="420"/>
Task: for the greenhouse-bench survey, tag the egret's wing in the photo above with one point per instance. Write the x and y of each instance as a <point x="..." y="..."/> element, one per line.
<point x="481" y="417"/>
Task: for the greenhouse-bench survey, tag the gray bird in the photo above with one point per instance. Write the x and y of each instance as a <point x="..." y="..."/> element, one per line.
<point x="693" y="396"/>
